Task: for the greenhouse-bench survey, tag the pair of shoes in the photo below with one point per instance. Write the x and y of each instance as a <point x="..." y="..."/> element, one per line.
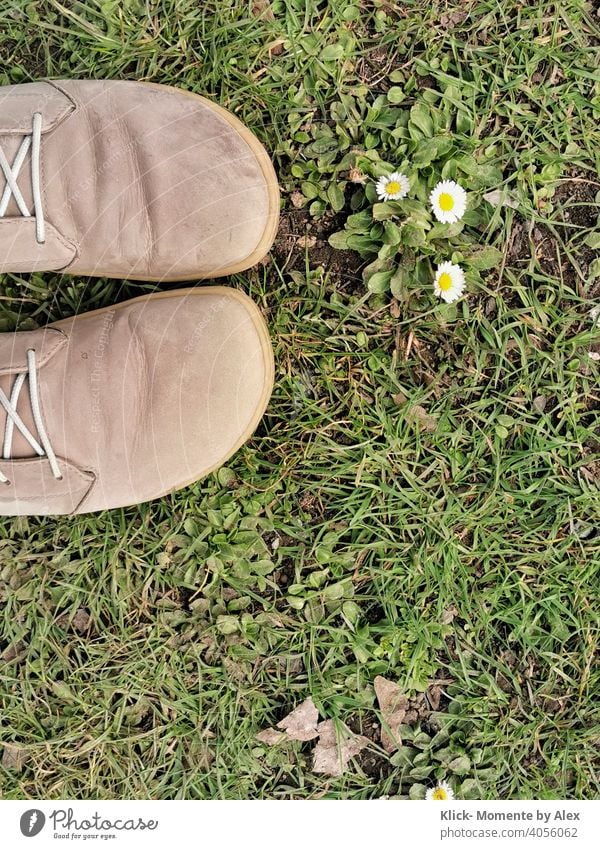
<point x="145" y="182"/>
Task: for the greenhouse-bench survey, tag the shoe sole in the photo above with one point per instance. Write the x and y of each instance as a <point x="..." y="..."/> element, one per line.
<point x="268" y="361"/>
<point x="268" y="172"/>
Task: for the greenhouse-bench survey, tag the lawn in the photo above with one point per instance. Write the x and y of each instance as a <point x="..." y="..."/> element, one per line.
<point x="421" y="501"/>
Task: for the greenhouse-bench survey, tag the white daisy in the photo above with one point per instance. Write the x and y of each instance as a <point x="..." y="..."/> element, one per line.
<point x="449" y="282"/>
<point x="442" y="792"/>
<point x="448" y="201"/>
<point x="393" y="187"/>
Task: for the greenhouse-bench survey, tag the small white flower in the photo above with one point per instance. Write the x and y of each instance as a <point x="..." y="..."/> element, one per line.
<point x="393" y="187"/>
<point x="448" y="201"/>
<point x="442" y="792"/>
<point x="449" y="283"/>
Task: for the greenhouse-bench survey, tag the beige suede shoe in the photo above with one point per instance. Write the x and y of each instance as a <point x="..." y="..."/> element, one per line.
<point x="127" y="179"/>
<point x="127" y="403"/>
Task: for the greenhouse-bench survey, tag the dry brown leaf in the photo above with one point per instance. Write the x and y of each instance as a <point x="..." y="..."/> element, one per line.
<point x="270" y="737"/>
<point x="301" y="723"/>
<point x="275" y="48"/>
<point x="262" y="9"/>
<point x="297" y="198"/>
<point x="393" y="705"/>
<point x="81" y="620"/>
<point x="433" y="696"/>
<point x="333" y="751"/>
<point x="13" y="757"/>
<point x="449" y="614"/>
<point x="421" y="418"/>
<point x="500" y="198"/>
<point x="306" y="241"/>
<point x="13" y="651"/>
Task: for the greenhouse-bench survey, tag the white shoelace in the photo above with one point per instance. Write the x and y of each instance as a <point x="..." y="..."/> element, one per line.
<point x="13" y="418"/>
<point x="11" y="172"/>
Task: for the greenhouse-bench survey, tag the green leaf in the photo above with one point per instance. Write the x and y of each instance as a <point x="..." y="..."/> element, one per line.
<point x="317" y="208"/>
<point x="335" y="195"/>
<point x="431" y="149"/>
<point x="413" y="236"/>
<point x="331" y="53"/>
<point x="382" y="211"/>
<point x="485" y="258"/>
<point x="470" y="789"/>
<point x="398" y="283"/>
<point x="403" y="757"/>
<point x="360" y="222"/>
<point x="395" y="94"/>
<point x="351" y="611"/>
<point x="592" y="240"/>
<point x="310" y="190"/>
<point x="551" y="172"/>
<point x="420" y="772"/>
<point x="339" y="240"/>
<point x="464" y="122"/>
<point x="420" y="123"/>
<point x="392" y="235"/>
<point x="333" y="592"/>
<point x="417" y="791"/>
<point x="380" y="282"/>
<point x="486" y="175"/>
<point x="460" y="765"/>
<point x="362" y="244"/>
<point x="63" y="691"/>
<point x="594" y="270"/>
<point x="507" y="421"/>
<point x="226" y="477"/>
<point x="227" y="624"/>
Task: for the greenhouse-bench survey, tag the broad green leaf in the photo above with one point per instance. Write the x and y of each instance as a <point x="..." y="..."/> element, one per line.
<point x="362" y="244"/>
<point x="379" y="282"/>
<point x="485" y="258"/>
<point x="339" y="240"/>
<point x="420" y="123"/>
<point x="332" y="52"/>
<point x="594" y="270"/>
<point x="398" y="283"/>
<point x="395" y="94"/>
<point x="382" y="211"/>
<point x="460" y="765"/>
<point x="430" y="150"/>
<point x="335" y="195"/>
<point x="227" y="624"/>
<point x="392" y="235"/>
<point x="464" y="122"/>
<point x="413" y="236"/>
<point x="592" y="240"/>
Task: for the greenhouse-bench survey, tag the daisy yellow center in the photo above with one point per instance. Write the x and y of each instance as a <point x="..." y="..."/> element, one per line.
<point x="439" y="794"/>
<point x="393" y="187"/>
<point x="445" y="283"/>
<point x="446" y="202"/>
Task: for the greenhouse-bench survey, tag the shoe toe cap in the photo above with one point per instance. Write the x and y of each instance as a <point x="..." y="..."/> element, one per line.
<point x="210" y="374"/>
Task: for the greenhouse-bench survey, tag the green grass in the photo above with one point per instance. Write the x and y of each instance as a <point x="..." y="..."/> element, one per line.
<point x="421" y="500"/>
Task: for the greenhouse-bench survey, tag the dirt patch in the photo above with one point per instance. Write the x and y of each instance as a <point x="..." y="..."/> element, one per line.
<point x="372" y="763"/>
<point x="377" y="765"/>
<point x="301" y="238"/>
<point x="558" y="250"/>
